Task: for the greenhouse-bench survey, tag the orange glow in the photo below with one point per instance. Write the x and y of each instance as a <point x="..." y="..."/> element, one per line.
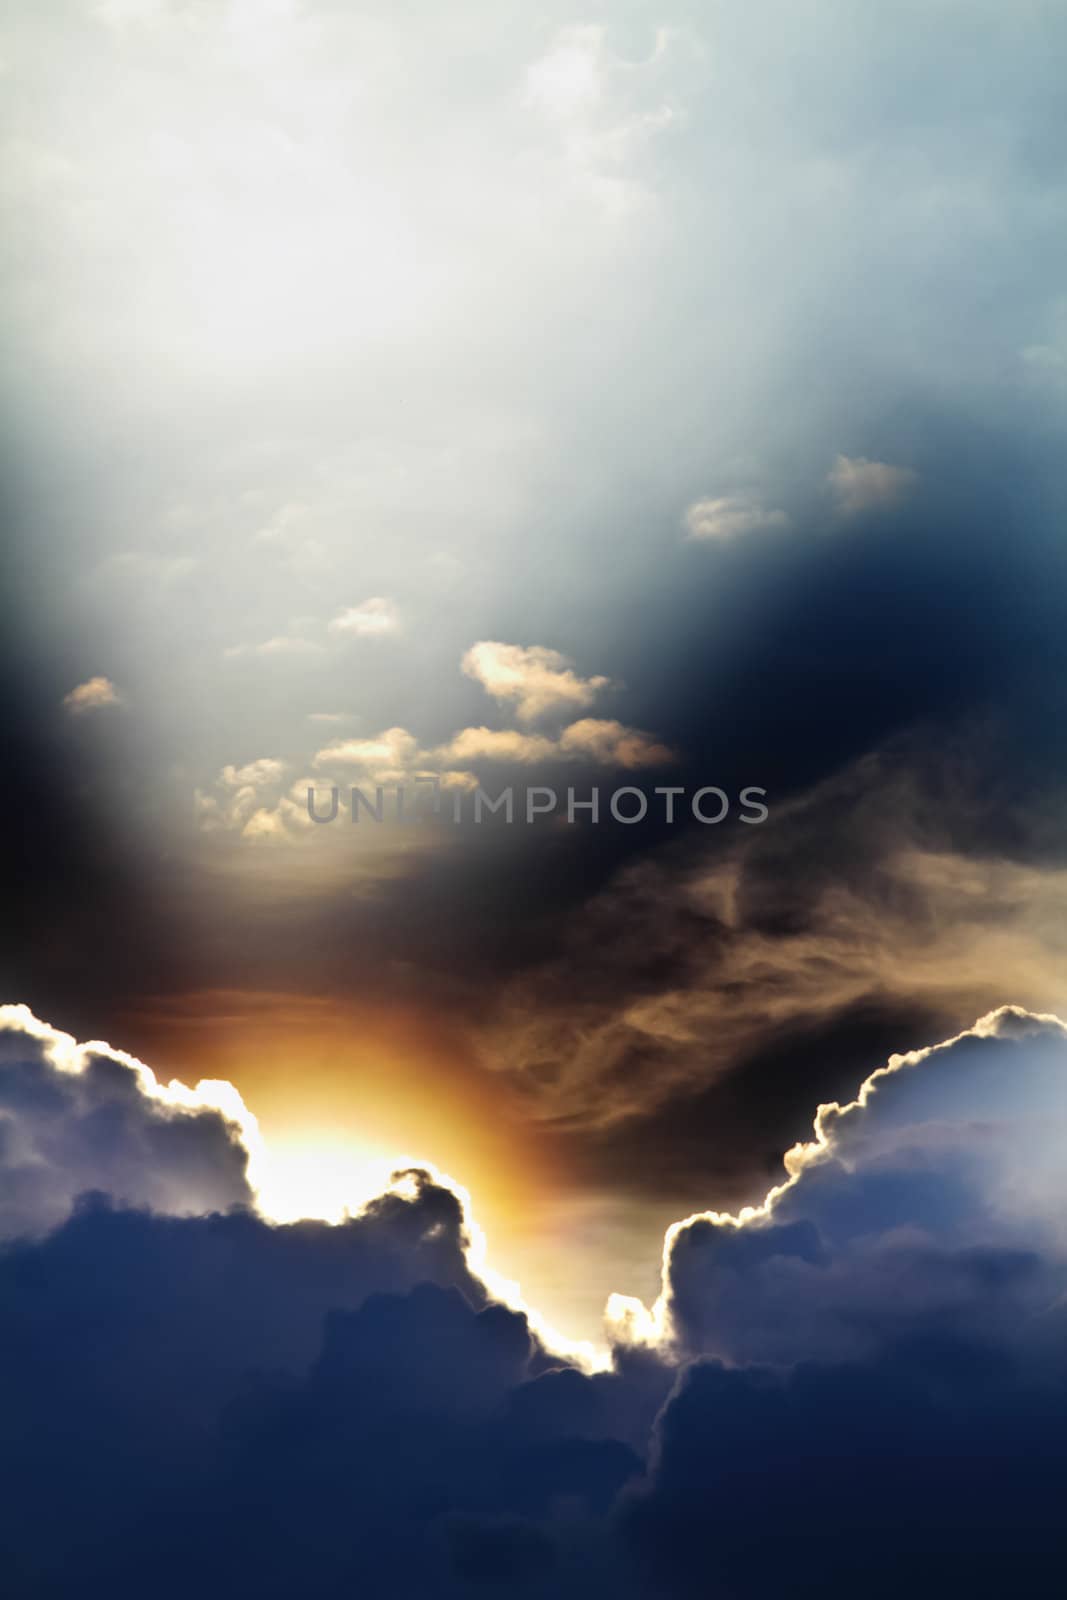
<point x="344" y="1094"/>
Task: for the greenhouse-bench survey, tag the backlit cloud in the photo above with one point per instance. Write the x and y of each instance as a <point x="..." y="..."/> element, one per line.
<point x="76" y="1117"/>
<point x="883" y="1335"/>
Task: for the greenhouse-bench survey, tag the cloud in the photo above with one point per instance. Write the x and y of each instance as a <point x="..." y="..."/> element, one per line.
<point x="532" y="678"/>
<point x="605" y="743"/>
<point x="280" y="645"/>
<point x="92" y="695"/>
<point x="896" y="1213"/>
<point x="238" y="795"/>
<point x="730" y="517"/>
<point x="387" y="758"/>
<point x="473" y="745"/>
<point x="254" y="774"/>
<point x="891" y="1322"/>
<point x="858" y="485"/>
<point x="346" y="1405"/>
<point x="612" y="744"/>
<point x="673" y="994"/>
<point x="76" y="1117"/>
<point x="371" y="619"/>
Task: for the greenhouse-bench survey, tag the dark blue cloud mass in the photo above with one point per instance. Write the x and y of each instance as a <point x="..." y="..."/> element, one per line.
<point x="860" y="1386"/>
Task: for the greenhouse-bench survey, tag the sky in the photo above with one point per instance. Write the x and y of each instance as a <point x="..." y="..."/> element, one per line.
<point x="519" y="397"/>
<point x="483" y="398"/>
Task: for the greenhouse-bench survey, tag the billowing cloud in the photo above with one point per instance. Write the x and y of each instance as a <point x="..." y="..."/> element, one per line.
<point x="533" y="679"/>
<point x="76" y="1117"/>
<point x="92" y="695"/>
<point x="919" y="1203"/>
<point x="371" y="619"/>
<point x="352" y="1405"/>
<point x="892" y="1326"/>
<point x="858" y="485"/>
<point x="730" y="516"/>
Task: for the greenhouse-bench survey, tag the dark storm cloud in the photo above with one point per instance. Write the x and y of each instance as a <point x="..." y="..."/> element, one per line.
<point x="219" y="1404"/>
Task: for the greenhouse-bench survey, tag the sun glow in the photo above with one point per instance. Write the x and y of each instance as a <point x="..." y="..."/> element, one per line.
<point x="324" y="1177"/>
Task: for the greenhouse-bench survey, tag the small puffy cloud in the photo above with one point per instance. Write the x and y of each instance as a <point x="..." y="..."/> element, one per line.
<point x="534" y="679"/>
<point x="92" y="695"/>
<point x="254" y="774"/>
<point x="731" y="516"/>
<point x="372" y="619"/>
<point x="612" y="744"/>
<point x="859" y="485"/>
<point x="388" y="757"/>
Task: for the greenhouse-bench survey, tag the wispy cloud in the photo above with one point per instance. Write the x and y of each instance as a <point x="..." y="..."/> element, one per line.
<point x="730" y="516"/>
<point x="858" y="485"/>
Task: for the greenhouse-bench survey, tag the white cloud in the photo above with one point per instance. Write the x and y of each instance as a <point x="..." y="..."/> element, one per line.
<point x="859" y="485"/>
<point x="388" y="757"/>
<point x="371" y="619"/>
<point x="92" y="695"/>
<point x="255" y="774"/>
<point x="730" y="516"/>
<point x="536" y="680"/>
